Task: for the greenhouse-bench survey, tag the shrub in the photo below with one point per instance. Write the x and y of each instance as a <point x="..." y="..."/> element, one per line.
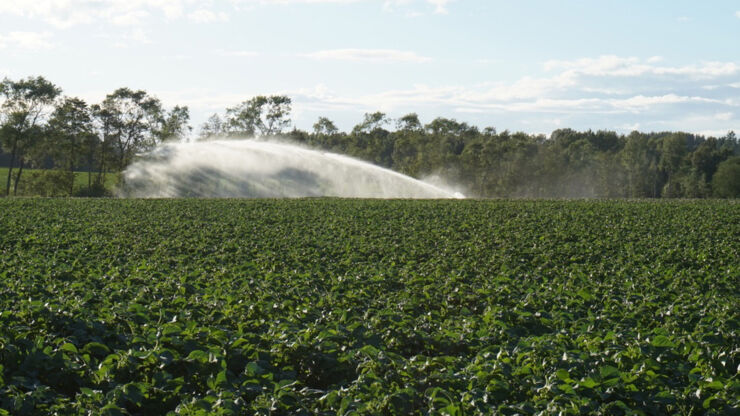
<point x="49" y="183"/>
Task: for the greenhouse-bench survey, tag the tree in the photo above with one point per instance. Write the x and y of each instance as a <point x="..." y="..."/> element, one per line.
<point x="408" y="141"/>
<point x="26" y="103"/>
<point x="371" y="122"/>
<point x="730" y="143"/>
<point x="133" y="120"/>
<point x="326" y="135"/>
<point x="640" y="163"/>
<point x="70" y="136"/>
<point x="212" y="128"/>
<point x="276" y="115"/>
<point x="671" y="158"/>
<point x="105" y="126"/>
<point x="726" y="181"/>
<point x="174" y="125"/>
<point x="371" y="141"/>
<point x="409" y="122"/>
<point x="474" y="166"/>
<point x="325" y="126"/>
<point x="441" y="126"/>
<point x="264" y="115"/>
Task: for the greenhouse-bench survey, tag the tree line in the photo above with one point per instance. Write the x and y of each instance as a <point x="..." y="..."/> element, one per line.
<point x="39" y="128"/>
<point x="569" y="163"/>
<point x="488" y="163"/>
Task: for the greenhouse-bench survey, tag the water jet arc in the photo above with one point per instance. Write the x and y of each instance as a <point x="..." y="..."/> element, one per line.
<point x="252" y="168"/>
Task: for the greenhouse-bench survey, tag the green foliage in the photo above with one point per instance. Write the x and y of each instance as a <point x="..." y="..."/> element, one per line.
<point x="324" y="126"/>
<point x="70" y="134"/>
<point x="40" y="130"/>
<point x="132" y="122"/>
<point x="259" y="115"/>
<point x="324" y="306"/>
<point x="22" y="113"/>
<point x="568" y="164"/>
<point x="29" y="184"/>
<point x="726" y="182"/>
<point x="174" y="124"/>
<point x="49" y="183"/>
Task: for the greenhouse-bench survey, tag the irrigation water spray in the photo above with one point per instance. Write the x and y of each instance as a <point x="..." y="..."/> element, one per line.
<point x="251" y="168"/>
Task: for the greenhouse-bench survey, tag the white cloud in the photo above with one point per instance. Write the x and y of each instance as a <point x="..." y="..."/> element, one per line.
<point x="136" y="35"/>
<point x="737" y="14"/>
<point x="713" y="132"/>
<point x="207" y="16"/>
<point x="268" y="2"/>
<point x="68" y="13"/>
<point x="630" y="127"/>
<point x="238" y="54"/>
<point x="440" y="6"/>
<point x="640" y="102"/>
<point x="593" y="66"/>
<point x="367" y="55"/>
<point x="724" y="116"/>
<point x="26" y="40"/>
<point x="311" y="1"/>
<point x="488" y="61"/>
<point x="131" y="18"/>
<point x="615" y="66"/>
<point x="566" y="98"/>
<point x="621" y="93"/>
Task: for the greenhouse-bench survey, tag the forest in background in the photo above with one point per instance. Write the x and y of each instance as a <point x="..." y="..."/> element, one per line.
<point x="58" y="136"/>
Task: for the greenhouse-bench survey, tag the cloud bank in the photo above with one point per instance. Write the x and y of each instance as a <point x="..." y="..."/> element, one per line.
<point x="68" y="13"/>
<point x="26" y="40"/>
<point x="620" y="93"/>
<point x="606" y="92"/>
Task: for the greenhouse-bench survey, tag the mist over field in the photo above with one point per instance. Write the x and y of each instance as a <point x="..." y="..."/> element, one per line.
<point x="249" y="168"/>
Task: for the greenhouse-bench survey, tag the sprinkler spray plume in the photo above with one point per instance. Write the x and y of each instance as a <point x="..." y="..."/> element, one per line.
<point x="252" y="168"/>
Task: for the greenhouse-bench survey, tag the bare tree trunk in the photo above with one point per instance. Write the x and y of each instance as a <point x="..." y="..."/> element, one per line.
<point x="89" y="169"/>
<point x="74" y="177"/>
<point x="10" y="169"/>
<point x="101" y="174"/>
<point x="18" y="178"/>
<point x="101" y="167"/>
<point x="10" y="175"/>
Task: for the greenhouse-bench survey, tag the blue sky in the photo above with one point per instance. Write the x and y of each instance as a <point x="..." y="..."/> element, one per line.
<point x="527" y="65"/>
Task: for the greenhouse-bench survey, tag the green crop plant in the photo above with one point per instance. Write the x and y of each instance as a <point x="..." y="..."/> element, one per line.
<point x="364" y="307"/>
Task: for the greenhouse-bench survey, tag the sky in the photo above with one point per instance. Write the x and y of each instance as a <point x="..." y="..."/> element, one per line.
<point x="528" y="65"/>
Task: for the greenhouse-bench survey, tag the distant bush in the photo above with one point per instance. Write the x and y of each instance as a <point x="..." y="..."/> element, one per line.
<point x="49" y="183"/>
<point x="95" y="191"/>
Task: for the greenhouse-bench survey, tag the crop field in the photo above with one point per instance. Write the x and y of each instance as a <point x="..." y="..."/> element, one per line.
<point x="365" y="307"/>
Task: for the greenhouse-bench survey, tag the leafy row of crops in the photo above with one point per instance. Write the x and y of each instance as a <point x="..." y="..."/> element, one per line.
<point x="369" y="307"/>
